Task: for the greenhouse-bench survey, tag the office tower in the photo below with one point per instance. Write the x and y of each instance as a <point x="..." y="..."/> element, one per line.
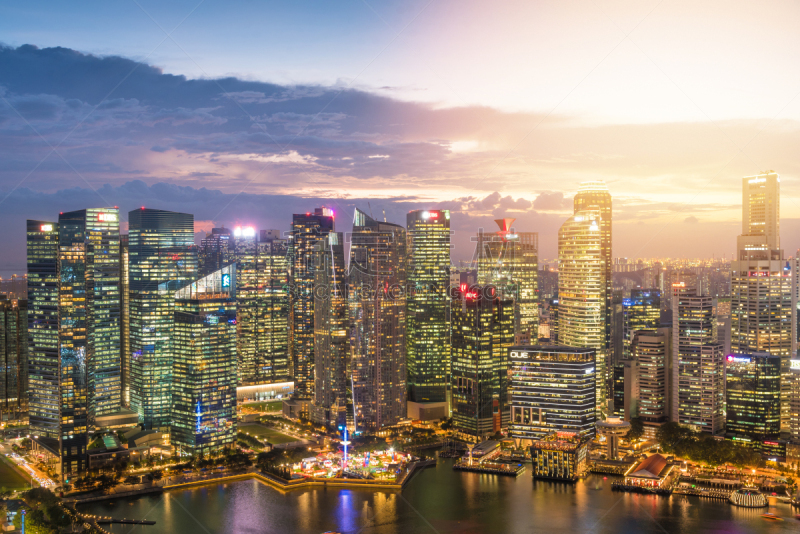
<point x="125" y="320"/>
<point x="761" y="282"/>
<point x="204" y="364"/>
<point x="483" y="331"/>
<point x="333" y="401"/>
<point x="378" y="320"/>
<point x="794" y="404"/>
<point x="262" y="297"/>
<point x="307" y="231"/>
<point x="552" y="390"/>
<point x="13" y="358"/>
<point x="651" y="350"/>
<point x="698" y="381"/>
<point x="89" y="327"/>
<point x="753" y="396"/>
<point x="43" y="374"/>
<point x="642" y="311"/>
<point x="509" y="261"/>
<point x="582" y="292"/>
<point x="216" y="251"/>
<point x="428" y="307"/>
<point x="162" y="259"/>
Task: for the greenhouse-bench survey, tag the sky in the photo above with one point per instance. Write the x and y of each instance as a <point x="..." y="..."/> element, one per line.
<point x="244" y="112"/>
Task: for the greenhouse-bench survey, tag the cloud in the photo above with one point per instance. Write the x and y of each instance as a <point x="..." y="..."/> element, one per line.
<point x="691" y="220"/>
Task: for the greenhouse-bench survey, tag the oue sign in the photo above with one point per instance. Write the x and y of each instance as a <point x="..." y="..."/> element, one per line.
<point x="795" y="365"/>
<point x="519" y="355"/>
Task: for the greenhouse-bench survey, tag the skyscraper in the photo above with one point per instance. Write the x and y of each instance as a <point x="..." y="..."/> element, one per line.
<point x="204" y="364"/>
<point x="761" y="282"/>
<point x="552" y="390"/>
<point x="125" y="319"/>
<point x="307" y="231"/>
<point x="509" y="260"/>
<point x="43" y="352"/>
<point x="377" y="275"/>
<point x="333" y="401"/>
<point x="162" y="259"/>
<point x="13" y="358"/>
<point x="582" y="292"/>
<point x="483" y="330"/>
<point x="89" y="327"/>
<point x="216" y="251"/>
<point x="698" y="382"/>
<point x="262" y="297"/>
<point x="642" y="311"/>
<point x="428" y="301"/>
<point x="652" y="352"/>
<point x="753" y="396"/>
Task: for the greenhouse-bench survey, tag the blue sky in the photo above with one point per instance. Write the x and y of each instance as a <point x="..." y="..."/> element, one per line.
<point x="250" y="111"/>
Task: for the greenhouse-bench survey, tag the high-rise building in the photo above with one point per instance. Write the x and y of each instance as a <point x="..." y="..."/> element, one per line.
<point x="698" y="381"/>
<point x="377" y="296"/>
<point x="125" y="320"/>
<point x="162" y="259"/>
<point x="642" y="311"/>
<point x="428" y="303"/>
<point x="333" y="400"/>
<point x="262" y="297"/>
<point x="43" y="353"/>
<point x="582" y="292"/>
<point x="483" y="331"/>
<point x="761" y="282"/>
<point x="204" y="364"/>
<point x="552" y="390"/>
<point x="89" y="327"/>
<point x="307" y="231"/>
<point x="652" y="352"/>
<point x="13" y="358"/>
<point x="753" y="396"/>
<point x="216" y="251"/>
<point x="509" y="261"/>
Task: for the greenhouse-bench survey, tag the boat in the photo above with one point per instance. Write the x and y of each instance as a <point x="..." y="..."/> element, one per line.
<point x="771" y="517"/>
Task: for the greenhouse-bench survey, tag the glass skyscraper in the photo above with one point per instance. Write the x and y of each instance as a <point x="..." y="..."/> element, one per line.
<point x="308" y="229"/>
<point x="13" y="358"/>
<point x="753" y="396"/>
<point x="216" y="251"/>
<point x="204" y="364"/>
<point x="428" y="302"/>
<point x="163" y="258"/>
<point x="483" y="330"/>
<point x="377" y="296"/>
<point x="43" y="353"/>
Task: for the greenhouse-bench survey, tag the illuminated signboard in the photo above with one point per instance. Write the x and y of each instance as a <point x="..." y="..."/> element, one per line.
<point x="519" y="355"/>
<point x="226" y="280"/>
<point x="795" y="365"/>
<point x="739" y="359"/>
<point x="589" y="371"/>
<point x="47" y="228"/>
<point x="107" y="217"/>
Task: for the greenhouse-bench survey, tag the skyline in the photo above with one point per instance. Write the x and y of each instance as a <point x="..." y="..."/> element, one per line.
<point x="628" y="103"/>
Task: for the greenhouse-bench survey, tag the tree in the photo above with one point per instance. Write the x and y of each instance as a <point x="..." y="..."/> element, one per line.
<point x="636" y="431"/>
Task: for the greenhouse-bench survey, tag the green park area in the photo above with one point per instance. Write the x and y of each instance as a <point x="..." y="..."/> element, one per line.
<point x="10" y="478"/>
<point x="264" y="433"/>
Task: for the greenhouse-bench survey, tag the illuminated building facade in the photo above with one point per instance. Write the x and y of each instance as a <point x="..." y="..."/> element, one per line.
<point x="642" y="311"/>
<point x="753" y="396"/>
<point x="428" y="301"/>
<point x="262" y="297"/>
<point x="89" y="327"/>
<point x="509" y="260"/>
<point x="333" y="400"/>
<point x="483" y="331"/>
<point x="43" y="354"/>
<point x="13" y="358"/>
<point x="125" y="320"/>
<point x="652" y="352"/>
<point x="761" y="283"/>
<point x="582" y="292"/>
<point x="204" y="365"/>
<point x="307" y="231"/>
<point x="377" y="297"/>
<point x="216" y="251"/>
<point x="162" y="259"/>
<point x="698" y="381"/>
<point x="560" y="456"/>
<point x="552" y="390"/>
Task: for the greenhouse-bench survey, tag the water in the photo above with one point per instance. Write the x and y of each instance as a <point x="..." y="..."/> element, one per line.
<point x="438" y="500"/>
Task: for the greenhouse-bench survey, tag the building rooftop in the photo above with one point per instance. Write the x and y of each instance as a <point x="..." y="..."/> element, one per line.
<point x="651" y="467"/>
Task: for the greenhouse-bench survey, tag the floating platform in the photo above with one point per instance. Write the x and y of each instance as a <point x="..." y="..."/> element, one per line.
<point x="511" y="471"/>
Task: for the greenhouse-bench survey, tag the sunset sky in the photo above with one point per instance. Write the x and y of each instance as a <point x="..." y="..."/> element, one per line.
<point x="243" y="112"/>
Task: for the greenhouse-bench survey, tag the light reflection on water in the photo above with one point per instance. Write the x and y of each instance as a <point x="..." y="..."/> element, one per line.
<point x="441" y="499"/>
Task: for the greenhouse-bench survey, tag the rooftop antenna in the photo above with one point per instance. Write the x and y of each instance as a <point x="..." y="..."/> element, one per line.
<point x="384" y="215"/>
<point x="370" y="209"/>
